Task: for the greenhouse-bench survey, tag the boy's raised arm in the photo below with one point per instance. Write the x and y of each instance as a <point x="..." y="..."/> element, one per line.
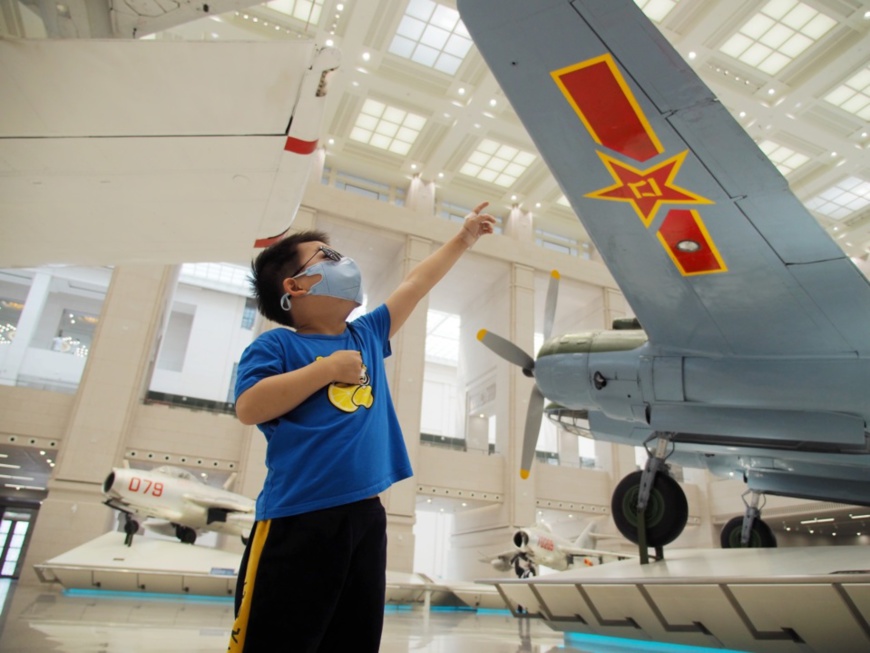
<point x="432" y="269"/>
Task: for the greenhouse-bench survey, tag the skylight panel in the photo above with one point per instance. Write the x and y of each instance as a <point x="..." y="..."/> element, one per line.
<point x="497" y="163"/>
<point x="307" y="11"/>
<point x="656" y="10"/>
<point x="432" y="35"/>
<point x="854" y="94"/>
<point x="842" y="199"/>
<point x="386" y="127"/>
<point x="784" y="158"/>
<point x="777" y="35"/>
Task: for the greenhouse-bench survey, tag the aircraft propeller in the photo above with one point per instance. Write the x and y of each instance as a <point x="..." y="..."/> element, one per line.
<point x="513" y="354"/>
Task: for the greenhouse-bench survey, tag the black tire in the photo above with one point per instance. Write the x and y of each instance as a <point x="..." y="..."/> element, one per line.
<point x="131" y="526"/>
<point x="186" y="534"/>
<point x="667" y="510"/>
<point x="760" y="537"/>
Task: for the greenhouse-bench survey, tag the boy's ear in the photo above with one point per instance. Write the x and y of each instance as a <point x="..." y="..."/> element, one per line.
<point x="292" y="288"/>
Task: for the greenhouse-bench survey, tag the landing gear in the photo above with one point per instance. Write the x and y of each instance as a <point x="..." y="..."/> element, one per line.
<point x="649" y="507"/>
<point x="748" y="531"/>
<point x="523" y="567"/>
<point x="186" y="534"/>
<point x="131" y="527"/>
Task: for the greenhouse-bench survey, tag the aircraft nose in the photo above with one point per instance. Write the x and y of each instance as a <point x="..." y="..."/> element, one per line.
<point x="521" y="539"/>
<point x="109" y="482"/>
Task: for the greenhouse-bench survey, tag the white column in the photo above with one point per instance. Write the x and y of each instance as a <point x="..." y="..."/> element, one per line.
<point x="421" y="196"/>
<point x="111" y="389"/>
<point x="569" y="449"/>
<point x="520" y="493"/>
<point x="37" y="297"/>
<point x="406" y="385"/>
<point x="519" y="225"/>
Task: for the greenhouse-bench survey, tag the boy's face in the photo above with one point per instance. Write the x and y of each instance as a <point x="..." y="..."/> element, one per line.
<point x="310" y="254"/>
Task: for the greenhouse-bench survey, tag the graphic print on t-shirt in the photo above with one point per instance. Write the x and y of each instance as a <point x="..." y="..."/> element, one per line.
<point x="349" y="397"/>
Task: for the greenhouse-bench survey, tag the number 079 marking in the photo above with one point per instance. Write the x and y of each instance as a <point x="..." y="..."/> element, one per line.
<point x="145" y="486"/>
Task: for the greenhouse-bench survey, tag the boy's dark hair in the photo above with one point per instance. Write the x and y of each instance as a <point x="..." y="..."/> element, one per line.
<point x="274" y="264"/>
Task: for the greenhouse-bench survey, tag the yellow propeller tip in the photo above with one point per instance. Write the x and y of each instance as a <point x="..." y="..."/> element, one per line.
<point x="481" y="334"/>
<point x="555" y="274"/>
<point x="524" y="473"/>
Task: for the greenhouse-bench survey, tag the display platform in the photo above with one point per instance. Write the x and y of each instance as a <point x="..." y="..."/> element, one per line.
<point x="808" y="599"/>
<point x="168" y="567"/>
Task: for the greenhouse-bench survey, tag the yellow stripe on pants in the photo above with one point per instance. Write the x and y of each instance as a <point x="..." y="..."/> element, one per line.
<point x="240" y="626"/>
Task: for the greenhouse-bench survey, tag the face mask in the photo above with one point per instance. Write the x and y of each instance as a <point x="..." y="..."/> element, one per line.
<point x="340" y="279"/>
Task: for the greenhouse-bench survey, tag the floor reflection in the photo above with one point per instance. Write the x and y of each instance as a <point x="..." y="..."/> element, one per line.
<point x="36" y="620"/>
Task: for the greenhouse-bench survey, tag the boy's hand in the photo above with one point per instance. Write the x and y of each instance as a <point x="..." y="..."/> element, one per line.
<point x="348" y="367"/>
<point x="477" y="224"/>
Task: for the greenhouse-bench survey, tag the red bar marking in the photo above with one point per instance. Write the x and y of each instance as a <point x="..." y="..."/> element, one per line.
<point x="298" y="146"/>
<point x="265" y="242"/>
<point x="601" y="97"/>
<point x="686" y="226"/>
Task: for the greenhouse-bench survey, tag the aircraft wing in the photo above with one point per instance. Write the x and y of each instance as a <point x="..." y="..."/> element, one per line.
<point x="594" y="553"/>
<point x="700" y="231"/>
<point x="507" y="555"/>
<point x="117" y="151"/>
<point x="242" y="504"/>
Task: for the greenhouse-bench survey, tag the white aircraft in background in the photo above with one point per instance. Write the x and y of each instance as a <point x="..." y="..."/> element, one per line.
<point x="539" y="545"/>
<point x="180" y="504"/>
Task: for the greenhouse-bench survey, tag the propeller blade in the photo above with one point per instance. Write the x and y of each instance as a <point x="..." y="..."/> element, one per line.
<point x="507" y="350"/>
<point x="550" y="307"/>
<point x="533" y="427"/>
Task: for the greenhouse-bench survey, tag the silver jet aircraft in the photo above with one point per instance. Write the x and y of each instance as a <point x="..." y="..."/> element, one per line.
<point x="539" y="545"/>
<point x="754" y="353"/>
<point x="177" y="502"/>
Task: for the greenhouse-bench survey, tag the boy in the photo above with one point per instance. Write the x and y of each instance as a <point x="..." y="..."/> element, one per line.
<point x="313" y="575"/>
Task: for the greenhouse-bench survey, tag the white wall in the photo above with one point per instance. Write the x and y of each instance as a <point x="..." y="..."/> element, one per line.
<point x="206" y="330"/>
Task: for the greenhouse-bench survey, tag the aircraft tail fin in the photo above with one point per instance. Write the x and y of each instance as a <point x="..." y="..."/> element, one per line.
<point x="586" y="539"/>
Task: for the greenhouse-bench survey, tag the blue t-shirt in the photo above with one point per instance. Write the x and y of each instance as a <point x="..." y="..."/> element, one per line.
<point x="343" y="443"/>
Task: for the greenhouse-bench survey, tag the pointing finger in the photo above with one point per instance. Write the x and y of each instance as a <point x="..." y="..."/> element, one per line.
<point x="480" y="207"/>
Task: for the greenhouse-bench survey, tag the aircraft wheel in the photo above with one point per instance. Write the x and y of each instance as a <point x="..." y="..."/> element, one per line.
<point x="185" y="534"/>
<point x="131" y="526"/>
<point x="667" y="510"/>
<point x="760" y="537"/>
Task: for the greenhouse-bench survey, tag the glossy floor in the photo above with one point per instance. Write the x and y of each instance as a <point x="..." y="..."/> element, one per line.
<point x="35" y="620"/>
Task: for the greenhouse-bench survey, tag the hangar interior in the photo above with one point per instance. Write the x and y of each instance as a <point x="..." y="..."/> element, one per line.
<point x="108" y="364"/>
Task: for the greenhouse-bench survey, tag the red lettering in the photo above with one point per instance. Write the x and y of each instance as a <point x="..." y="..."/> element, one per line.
<point x="546" y="543"/>
<point x="152" y="487"/>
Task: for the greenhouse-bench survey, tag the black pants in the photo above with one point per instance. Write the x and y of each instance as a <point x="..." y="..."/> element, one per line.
<point x="314" y="582"/>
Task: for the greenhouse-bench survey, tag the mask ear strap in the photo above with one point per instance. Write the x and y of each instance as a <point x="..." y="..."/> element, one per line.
<point x="285" y="301"/>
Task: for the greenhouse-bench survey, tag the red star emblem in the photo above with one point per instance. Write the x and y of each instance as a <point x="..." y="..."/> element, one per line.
<point x="646" y="189"/>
